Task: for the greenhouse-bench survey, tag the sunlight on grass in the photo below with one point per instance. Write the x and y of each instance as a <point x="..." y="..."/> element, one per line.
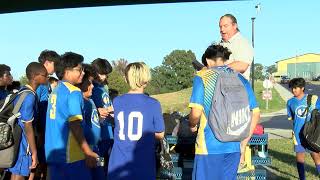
<point x="284" y="160"/>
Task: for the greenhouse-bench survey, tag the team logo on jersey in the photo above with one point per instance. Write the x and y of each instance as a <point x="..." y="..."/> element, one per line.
<point x="105" y="99"/>
<point x="95" y="118"/>
<point x="300" y="110"/>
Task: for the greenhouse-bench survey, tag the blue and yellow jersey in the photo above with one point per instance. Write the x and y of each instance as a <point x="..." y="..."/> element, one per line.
<point x="91" y="123"/>
<point x="43" y="95"/>
<point x="203" y="90"/>
<point x="64" y="106"/>
<point x="101" y="99"/>
<point x="295" y="110"/>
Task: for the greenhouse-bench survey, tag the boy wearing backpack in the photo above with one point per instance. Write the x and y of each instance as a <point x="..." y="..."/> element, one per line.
<point x="296" y="108"/>
<point x="215" y="159"/>
<point x="27" y="155"/>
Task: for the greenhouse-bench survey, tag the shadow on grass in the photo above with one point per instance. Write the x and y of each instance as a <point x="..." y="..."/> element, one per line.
<point x="290" y="160"/>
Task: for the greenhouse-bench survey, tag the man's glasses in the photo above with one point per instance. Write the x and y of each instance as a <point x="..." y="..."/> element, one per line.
<point x="81" y="69"/>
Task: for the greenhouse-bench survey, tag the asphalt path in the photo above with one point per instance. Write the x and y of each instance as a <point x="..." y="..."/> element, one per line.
<point x="310" y="88"/>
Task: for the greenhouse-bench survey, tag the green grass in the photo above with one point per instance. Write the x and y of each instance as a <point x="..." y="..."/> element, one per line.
<point x="178" y="101"/>
<point x="276" y="104"/>
<point x="284" y="160"/>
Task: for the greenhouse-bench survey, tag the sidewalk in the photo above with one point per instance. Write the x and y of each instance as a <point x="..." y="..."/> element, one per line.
<point x="276" y="123"/>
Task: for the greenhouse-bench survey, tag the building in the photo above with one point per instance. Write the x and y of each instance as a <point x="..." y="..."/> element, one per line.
<point x="306" y="66"/>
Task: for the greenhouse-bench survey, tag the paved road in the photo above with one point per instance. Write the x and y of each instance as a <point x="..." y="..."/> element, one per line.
<point x="310" y="88"/>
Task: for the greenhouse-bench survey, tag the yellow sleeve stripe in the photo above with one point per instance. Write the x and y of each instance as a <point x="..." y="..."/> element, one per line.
<point x="256" y="110"/>
<point x="289" y="118"/>
<point x="194" y="105"/>
<point x="75" y="118"/>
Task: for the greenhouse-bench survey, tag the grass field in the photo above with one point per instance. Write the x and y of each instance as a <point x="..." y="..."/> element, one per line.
<point x="284" y="163"/>
<point x="178" y="101"/>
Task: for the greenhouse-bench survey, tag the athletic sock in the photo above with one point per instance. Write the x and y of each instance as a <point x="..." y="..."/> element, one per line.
<point x="300" y="167"/>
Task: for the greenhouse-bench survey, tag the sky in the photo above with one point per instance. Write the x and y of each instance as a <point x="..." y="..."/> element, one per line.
<point x="148" y="33"/>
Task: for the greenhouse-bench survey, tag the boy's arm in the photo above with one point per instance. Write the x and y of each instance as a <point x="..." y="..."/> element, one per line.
<point x="32" y="143"/>
<point x="77" y="132"/>
<point x="158" y="122"/>
<point x="254" y="121"/>
<point x="196" y="103"/>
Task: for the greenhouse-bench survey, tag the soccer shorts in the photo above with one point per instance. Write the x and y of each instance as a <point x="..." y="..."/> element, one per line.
<point x="69" y="171"/>
<point x="216" y="166"/>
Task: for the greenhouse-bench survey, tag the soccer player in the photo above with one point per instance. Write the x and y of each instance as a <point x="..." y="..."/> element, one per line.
<point x="48" y="58"/>
<point x="296" y="107"/>
<point x="67" y="151"/>
<point x="100" y="97"/>
<point x="91" y="124"/>
<point x="27" y="155"/>
<point x="138" y="121"/>
<point x="5" y="80"/>
<point x="215" y="159"/>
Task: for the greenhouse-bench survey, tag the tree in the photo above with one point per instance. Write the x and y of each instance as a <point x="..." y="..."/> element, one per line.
<point x="119" y="65"/>
<point x="23" y="80"/>
<point x="258" y="71"/>
<point x="176" y="71"/>
<point x="271" y="69"/>
<point x="116" y="81"/>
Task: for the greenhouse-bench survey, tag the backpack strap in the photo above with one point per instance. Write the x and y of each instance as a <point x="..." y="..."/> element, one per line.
<point x="15" y="112"/>
<point x="309" y="98"/>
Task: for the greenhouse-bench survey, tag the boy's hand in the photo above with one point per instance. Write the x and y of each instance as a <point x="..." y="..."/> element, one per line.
<point x="91" y="159"/>
<point x="35" y="161"/>
<point x="103" y="112"/>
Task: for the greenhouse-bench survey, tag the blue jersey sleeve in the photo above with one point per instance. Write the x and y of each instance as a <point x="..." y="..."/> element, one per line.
<point x="251" y="96"/>
<point x="317" y="106"/>
<point x="197" y="96"/>
<point x="289" y="112"/>
<point x="75" y="105"/>
<point x="27" y="108"/>
<point x="158" y="118"/>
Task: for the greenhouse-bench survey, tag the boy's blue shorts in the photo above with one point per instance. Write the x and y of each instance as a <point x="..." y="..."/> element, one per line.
<point x="22" y="165"/>
<point x="300" y="149"/>
<point x="216" y="166"/>
<point x="69" y="171"/>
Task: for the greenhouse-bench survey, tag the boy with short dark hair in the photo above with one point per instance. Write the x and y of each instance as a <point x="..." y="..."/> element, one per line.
<point x="67" y="152"/>
<point x="27" y="156"/>
<point x="5" y="80"/>
<point x="296" y="107"/>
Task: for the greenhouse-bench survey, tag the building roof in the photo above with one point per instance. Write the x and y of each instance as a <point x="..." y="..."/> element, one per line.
<point x="10" y="6"/>
<point x="299" y="56"/>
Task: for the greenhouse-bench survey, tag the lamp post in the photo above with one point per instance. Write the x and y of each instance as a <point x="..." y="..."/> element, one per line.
<point x="252" y="67"/>
<point x="258" y="8"/>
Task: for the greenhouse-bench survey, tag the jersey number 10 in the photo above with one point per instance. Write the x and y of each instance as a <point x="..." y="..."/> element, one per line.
<point x="132" y="116"/>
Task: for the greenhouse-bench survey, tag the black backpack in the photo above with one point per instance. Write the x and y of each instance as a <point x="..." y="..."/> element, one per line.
<point x="10" y="131"/>
<point x="310" y="132"/>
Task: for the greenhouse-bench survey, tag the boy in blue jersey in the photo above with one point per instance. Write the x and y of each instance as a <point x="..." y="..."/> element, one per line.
<point x="296" y="107"/>
<point x="5" y="80"/>
<point x="48" y="58"/>
<point x="138" y="121"/>
<point x="215" y="159"/>
<point x="27" y="155"/>
<point x="68" y="154"/>
<point x="100" y="97"/>
<point x="91" y="124"/>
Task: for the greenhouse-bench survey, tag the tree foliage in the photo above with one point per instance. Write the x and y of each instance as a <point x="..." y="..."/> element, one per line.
<point x="119" y="65"/>
<point x="271" y="69"/>
<point x="258" y="71"/>
<point x="117" y="82"/>
<point x="23" y="80"/>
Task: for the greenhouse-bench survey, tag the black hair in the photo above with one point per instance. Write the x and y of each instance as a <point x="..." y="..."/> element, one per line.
<point x="14" y="85"/>
<point x="4" y="69"/>
<point x="33" y="69"/>
<point x="89" y="71"/>
<point x="68" y="60"/>
<point x="297" y="82"/>
<point x="48" y="55"/>
<point x="102" y="66"/>
<point x="233" y="19"/>
<point x="84" y="85"/>
<point x="215" y="51"/>
<point x="52" y="79"/>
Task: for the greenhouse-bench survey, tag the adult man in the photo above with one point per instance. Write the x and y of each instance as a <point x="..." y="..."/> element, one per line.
<point x="242" y="52"/>
<point x="5" y="80"/>
<point x="215" y="159"/>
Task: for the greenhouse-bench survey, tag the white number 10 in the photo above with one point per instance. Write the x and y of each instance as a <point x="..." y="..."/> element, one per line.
<point x="132" y="115"/>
